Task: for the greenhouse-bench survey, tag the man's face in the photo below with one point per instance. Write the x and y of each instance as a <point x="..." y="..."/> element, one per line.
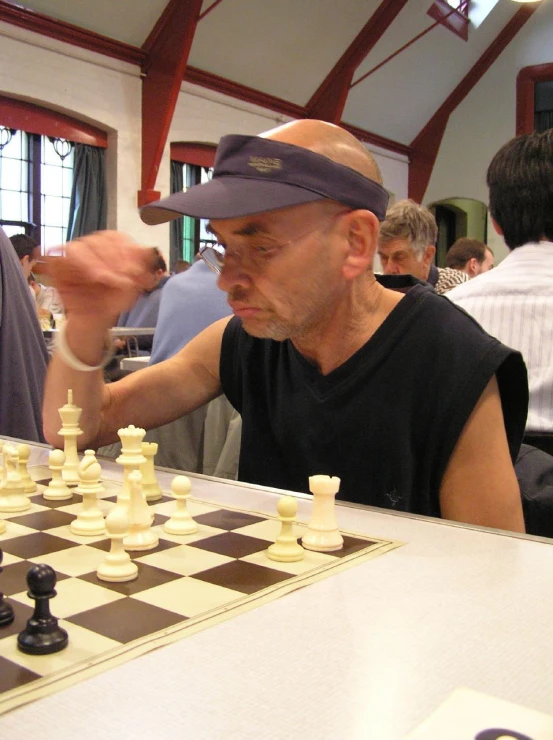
<point x="29" y="261"/>
<point x="282" y="269"/>
<point x="397" y="257"/>
<point x="487" y="264"/>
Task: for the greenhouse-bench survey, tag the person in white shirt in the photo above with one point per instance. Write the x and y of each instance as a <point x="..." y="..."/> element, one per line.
<point x="514" y="301"/>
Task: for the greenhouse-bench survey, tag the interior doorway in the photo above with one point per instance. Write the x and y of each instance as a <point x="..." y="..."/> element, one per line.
<point x="457" y="217"/>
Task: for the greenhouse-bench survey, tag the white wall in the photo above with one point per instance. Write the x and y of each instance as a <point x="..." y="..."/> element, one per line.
<point x="107" y="94"/>
<point x="486" y="119"/>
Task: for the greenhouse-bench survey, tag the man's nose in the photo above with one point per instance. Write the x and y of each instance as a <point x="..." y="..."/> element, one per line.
<point x="233" y="273"/>
<point x="391" y="268"/>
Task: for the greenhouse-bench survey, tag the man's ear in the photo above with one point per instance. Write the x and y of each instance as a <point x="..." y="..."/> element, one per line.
<point x="496" y="227"/>
<point x="429" y="253"/>
<point x="362" y="240"/>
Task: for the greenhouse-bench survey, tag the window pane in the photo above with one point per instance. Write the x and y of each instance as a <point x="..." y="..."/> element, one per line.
<point x="10" y="174"/>
<point x="52" y="236"/>
<point x="51" y="176"/>
<point x="52" y="212"/>
<point x="17" y="148"/>
<point x="13" y="206"/>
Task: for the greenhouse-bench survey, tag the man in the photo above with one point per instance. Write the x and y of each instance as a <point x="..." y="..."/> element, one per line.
<point x="470" y="256"/>
<point x="327" y="367"/>
<point x="23" y="355"/>
<point x="407" y="246"/>
<point x="145" y="310"/>
<point x="514" y="301"/>
<point x="28" y="252"/>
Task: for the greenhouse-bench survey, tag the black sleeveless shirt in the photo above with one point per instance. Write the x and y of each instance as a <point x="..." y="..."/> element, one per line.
<point x="387" y="420"/>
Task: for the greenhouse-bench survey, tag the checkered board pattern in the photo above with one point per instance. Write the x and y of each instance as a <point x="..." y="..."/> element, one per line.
<point x="186" y="583"/>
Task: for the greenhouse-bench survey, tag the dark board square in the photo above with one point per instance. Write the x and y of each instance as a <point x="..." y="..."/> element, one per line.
<point x="105" y="545"/>
<point x="232" y="544"/>
<point x="241" y="576"/>
<point x="351" y="545"/>
<point x="148" y="577"/>
<point x="21" y="613"/>
<point x="36" y="544"/>
<point x="13" y="675"/>
<point x="126" y="619"/>
<point x="75" y="499"/>
<point x="14" y="578"/>
<point x="42" y="520"/>
<point x="227" y="519"/>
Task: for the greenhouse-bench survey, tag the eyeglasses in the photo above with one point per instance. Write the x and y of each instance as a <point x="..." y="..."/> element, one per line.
<point x="258" y="254"/>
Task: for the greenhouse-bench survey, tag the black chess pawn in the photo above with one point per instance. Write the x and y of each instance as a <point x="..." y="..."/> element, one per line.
<point x="6" y="609"/>
<point x="42" y="635"/>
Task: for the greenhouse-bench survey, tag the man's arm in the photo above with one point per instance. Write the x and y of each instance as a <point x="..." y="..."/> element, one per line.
<point x="480" y="485"/>
<point x="99" y="277"/>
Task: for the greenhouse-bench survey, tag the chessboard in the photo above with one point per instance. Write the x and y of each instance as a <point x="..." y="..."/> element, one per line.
<point x="187" y="583"/>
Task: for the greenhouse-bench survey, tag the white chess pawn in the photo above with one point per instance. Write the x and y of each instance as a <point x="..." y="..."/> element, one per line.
<point x="57" y="490"/>
<point x="117" y="566"/>
<point x="141" y="536"/>
<point x="322" y="532"/>
<point x="90" y="520"/>
<point x="2" y="525"/>
<point x="150" y="487"/>
<point x="29" y="485"/>
<point x="12" y="495"/>
<point x="181" y="522"/>
<point x="286" y="548"/>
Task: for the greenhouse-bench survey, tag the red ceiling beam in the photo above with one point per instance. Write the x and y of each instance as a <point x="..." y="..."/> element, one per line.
<point x="61" y="31"/>
<point x="329" y="100"/>
<point x="426" y="145"/>
<point x="164" y="68"/>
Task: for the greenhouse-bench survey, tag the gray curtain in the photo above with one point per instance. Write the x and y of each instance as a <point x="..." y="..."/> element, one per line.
<point x="87" y="209"/>
<point x="176" y="234"/>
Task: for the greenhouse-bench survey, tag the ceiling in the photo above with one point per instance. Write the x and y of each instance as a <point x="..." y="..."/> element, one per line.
<point x="285" y="53"/>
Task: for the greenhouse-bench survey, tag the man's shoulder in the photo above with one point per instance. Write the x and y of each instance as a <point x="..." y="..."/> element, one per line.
<point x="448" y="278"/>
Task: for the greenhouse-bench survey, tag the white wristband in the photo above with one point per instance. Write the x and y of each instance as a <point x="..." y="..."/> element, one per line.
<point x="73" y="362"/>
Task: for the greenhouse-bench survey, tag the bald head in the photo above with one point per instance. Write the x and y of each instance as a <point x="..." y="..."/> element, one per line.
<point x="329" y="140"/>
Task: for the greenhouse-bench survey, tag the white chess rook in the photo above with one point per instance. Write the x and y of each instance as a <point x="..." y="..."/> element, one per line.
<point x="117" y="566"/>
<point x="131" y="458"/>
<point x="29" y="485"/>
<point x="57" y="490"/>
<point x="70" y="415"/>
<point x="181" y="522"/>
<point x="90" y="520"/>
<point x="141" y="536"/>
<point x="150" y="487"/>
<point x="286" y="548"/>
<point x="322" y="532"/>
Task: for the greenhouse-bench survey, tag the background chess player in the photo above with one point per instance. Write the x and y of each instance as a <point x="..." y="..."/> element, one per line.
<point x="324" y="363"/>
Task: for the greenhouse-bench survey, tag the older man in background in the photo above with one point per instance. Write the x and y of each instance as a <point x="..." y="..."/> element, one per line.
<point x="407" y="246"/>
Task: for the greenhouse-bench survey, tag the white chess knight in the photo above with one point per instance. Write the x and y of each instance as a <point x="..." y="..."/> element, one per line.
<point x="181" y="522"/>
<point x="322" y="532"/>
<point x="286" y="548"/>
<point x="70" y="415"/>
<point x="90" y="520"/>
<point x="141" y="536"/>
<point x="12" y="490"/>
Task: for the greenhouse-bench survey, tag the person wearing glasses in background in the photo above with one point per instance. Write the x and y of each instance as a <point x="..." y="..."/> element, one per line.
<point x="332" y="372"/>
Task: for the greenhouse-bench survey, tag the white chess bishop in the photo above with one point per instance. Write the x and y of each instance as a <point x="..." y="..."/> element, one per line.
<point x="90" y="520"/>
<point x="322" y="532"/>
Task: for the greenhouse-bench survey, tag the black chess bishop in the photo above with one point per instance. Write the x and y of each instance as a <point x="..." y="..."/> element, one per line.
<point x="42" y="635"/>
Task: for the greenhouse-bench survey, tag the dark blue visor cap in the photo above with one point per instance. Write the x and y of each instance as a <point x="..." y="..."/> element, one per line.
<point x="253" y="175"/>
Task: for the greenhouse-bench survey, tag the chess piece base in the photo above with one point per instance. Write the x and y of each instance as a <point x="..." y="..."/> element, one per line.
<point x="287" y="554"/>
<point x="6" y="614"/>
<point x="12" y="504"/>
<point x="42" y="637"/>
<point x="117" y="573"/>
<point x="323" y="541"/>
<point x="180" y="527"/>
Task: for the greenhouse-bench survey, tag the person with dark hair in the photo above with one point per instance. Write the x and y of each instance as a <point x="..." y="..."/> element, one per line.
<point x="514" y="301"/>
<point x="28" y="252"/>
<point x="469" y="255"/>
<point x="180" y="266"/>
<point x="323" y="361"/>
<point x="145" y="310"/>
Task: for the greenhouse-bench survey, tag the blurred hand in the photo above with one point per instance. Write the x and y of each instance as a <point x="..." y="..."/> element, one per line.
<point x="100" y="275"/>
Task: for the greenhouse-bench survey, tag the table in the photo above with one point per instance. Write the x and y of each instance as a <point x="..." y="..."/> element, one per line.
<point x="367" y="653"/>
<point x="134" y="363"/>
